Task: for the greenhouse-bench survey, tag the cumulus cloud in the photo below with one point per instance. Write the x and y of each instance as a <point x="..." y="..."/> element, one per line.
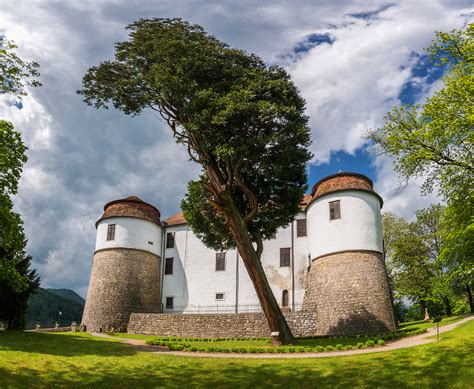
<point x="350" y="59"/>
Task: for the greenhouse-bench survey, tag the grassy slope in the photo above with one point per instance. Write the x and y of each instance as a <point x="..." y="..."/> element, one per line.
<point x="58" y="360"/>
<point x="429" y="323"/>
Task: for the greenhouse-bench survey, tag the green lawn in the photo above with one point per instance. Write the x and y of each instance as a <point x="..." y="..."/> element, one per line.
<point x="429" y="323"/>
<point x="78" y="360"/>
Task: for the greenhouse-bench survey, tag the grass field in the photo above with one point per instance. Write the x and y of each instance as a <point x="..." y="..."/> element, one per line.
<point x="79" y="360"/>
<point x="429" y="323"/>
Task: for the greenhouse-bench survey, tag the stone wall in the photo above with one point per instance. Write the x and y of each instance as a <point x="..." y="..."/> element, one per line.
<point x="236" y="325"/>
<point x="349" y="293"/>
<point x="122" y="281"/>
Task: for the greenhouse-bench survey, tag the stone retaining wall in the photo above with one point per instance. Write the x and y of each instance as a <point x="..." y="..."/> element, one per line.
<point x="230" y="325"/>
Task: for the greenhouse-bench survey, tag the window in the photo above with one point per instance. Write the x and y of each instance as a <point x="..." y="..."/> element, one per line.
<point x="220" y="261"/>
<point x="169" y="266"/>
<point x="285" y="257"/>
<point x="111" y="232"/>
<point x="219" y="296"/>
<point x="300" y="227"/>
<point x="334" y="210"/>
<point x="169" y="302"/>
<point x="170" y="240"/>
<point x="284" y="298"/>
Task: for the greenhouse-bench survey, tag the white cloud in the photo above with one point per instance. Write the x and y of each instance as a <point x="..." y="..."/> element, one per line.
<point x="80" y="158"/>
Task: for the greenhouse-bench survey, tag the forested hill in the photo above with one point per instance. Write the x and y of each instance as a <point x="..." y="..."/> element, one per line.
<point x="45" y="306"/>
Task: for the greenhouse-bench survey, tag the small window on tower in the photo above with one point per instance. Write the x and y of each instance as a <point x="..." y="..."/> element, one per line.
<point x="111" y="232"/>
<point x="334" y="210"/>
<point x="285" y="256"/>
<point x="169" y="302"/>
<point x="168" y="266"/>
<point x="300" y="227"/>
<point x="170" y="240"/>
<point x="220" y="261"/>
<point x="219" y="296"/>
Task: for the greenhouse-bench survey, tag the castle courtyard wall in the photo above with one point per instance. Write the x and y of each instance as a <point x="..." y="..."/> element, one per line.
<point x="233" y="325"/>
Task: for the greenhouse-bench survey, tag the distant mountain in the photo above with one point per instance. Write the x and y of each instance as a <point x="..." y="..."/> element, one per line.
<point x="68" y="294"/>
<point x="44" y="307"/>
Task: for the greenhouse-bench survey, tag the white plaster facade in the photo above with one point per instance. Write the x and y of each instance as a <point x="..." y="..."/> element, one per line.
<point x="194" y="281"/>
<point x="130" y="233"/>
<point x="359" y="228"/>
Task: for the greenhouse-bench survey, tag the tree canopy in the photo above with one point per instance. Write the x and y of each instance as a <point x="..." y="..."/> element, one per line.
<point x="241" y="120"/>
<point x="15" y="73"/>
<point x="17" y="280"/>
<point x="435" y="141"/>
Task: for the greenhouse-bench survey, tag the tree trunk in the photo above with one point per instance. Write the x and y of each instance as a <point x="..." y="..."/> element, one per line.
<point x="447" y="306"/>
<point x="469" y="298"/>
<point x="251" y="259"/>
<point x="422" y="309"/>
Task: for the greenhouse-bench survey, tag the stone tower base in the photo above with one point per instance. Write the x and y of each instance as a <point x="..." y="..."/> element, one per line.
<point x="349" y="293"/>
<point x="122" y="281"/>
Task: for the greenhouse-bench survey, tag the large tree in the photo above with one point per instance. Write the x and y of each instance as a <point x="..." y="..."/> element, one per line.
<point x="435" y="142"/>
<point x="241" y="120"/>
<point x="17" y="280"/>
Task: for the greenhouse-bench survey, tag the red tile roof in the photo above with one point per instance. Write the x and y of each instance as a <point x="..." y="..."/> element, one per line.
<point x="131" y="206"/>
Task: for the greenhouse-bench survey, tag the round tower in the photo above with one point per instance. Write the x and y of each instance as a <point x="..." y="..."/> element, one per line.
<point x="125" y="274"/>
<point x="347" y="284"/>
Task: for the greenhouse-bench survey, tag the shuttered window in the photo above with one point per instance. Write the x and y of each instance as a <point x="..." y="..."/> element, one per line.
<point x="334" y="210"/>
<point x="300" y="227"/>
<point x="170" y="240"/>
<point x="111" y="232"/>
<point x="285" y="257"/>
<point x="169" y="266"/>
<point x="220" y="261"/>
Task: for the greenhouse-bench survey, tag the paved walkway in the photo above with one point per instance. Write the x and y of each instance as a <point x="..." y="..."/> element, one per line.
<point x="140" y="345"/>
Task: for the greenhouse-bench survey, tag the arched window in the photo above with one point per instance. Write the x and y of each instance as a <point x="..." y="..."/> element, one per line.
<point x="284" y="298"/>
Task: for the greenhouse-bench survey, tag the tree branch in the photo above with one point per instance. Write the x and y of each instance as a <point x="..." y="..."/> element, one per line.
<point x="250" y="195"/>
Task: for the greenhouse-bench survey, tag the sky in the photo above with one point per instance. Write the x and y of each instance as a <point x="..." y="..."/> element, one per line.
<point x="351" y="60"/>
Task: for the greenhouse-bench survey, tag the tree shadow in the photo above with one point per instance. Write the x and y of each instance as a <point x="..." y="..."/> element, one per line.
<point x="359" y="321"/>
<point x="61" y="344"/>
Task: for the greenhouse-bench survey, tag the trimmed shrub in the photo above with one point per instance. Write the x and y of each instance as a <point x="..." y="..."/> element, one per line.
<point x="380" y="342"/>
<point x="339" y="346"/>
<point x="329" y="348"/>
<point x="370" y="343"/>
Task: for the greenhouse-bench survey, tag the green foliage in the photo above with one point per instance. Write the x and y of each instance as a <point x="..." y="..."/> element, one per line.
<point x="15" y="74"/>
<point x="436" y="141"/>
<point x="17" y="281"/>
<point x="242" y="120"/>
<point x="44" y="307"/>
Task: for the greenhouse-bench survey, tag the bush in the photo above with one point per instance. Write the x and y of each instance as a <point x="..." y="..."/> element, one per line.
<point x="360" y="345"/>
<point x="329" y="348"/>
<point x="339" y="346"/>
<point x="370" y="343"/>
<point x="380" y="342"/>
<point x="318" y="349"/>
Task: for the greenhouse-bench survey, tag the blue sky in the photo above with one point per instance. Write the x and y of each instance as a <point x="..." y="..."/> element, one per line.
<point x="351" y="60"/>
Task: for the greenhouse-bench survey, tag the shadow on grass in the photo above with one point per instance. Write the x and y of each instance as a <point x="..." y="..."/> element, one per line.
<point x="67" y="345"/>
<point x="444" y="364"/>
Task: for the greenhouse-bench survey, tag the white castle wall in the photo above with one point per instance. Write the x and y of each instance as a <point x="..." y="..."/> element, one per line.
<point x="359" y="228"/>
<point x="130" y="233"/>
<point x="195" y="282"/>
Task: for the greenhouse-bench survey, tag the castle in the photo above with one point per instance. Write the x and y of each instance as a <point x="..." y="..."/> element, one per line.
<point x="329" y="263"/>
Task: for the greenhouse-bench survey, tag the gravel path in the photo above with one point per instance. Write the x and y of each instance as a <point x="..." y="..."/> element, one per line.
<point x="140" y="345"/>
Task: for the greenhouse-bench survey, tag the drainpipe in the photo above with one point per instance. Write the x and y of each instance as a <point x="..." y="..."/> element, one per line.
<point x="292" y="267"/>
<point x="163" y="259"/>
<point x="236" y="281"/>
